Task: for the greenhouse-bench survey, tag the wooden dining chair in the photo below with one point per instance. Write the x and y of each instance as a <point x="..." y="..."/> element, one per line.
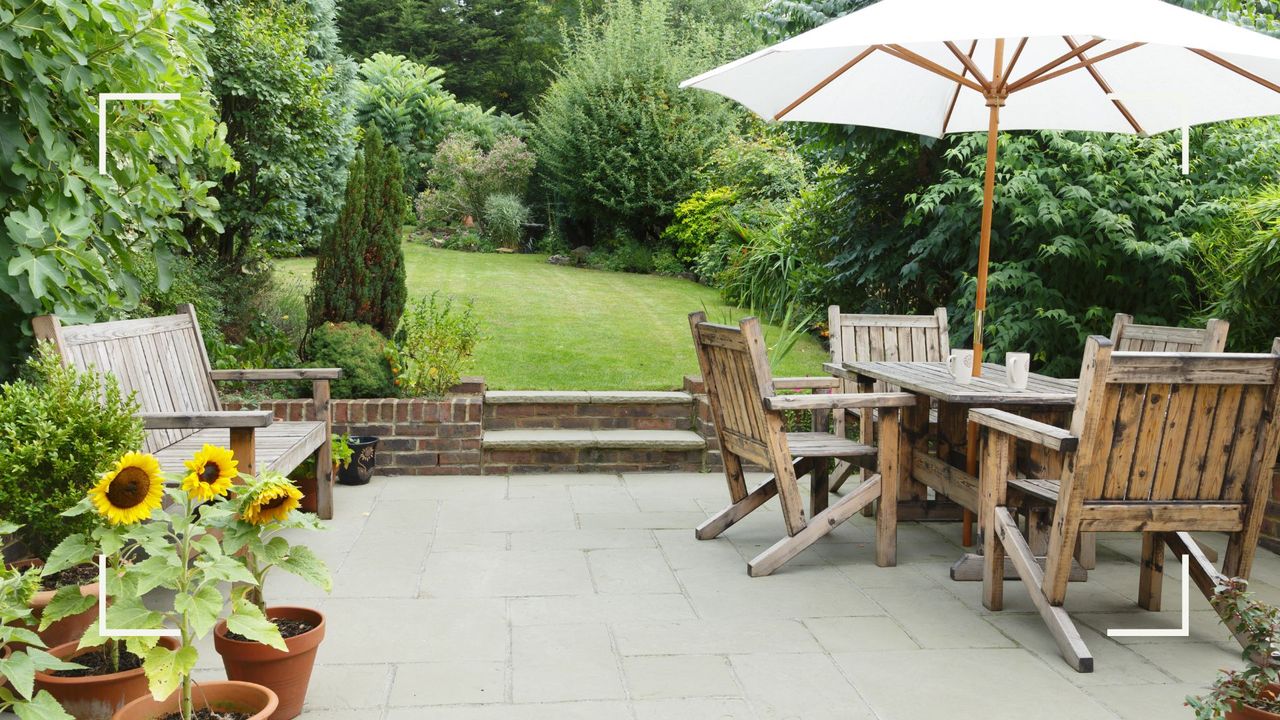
<point x="1126" y="336"/>
<point x="880" y="338"/>
<point x="1159" y="443"/>
<point x="750" y="426"/>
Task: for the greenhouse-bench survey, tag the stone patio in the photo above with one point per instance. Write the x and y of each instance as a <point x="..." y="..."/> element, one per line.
<point x="560" y="597"/>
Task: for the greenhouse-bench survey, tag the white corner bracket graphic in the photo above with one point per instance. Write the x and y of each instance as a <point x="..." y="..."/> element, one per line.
<point x="102" y="612"/>
<point x="103" y="99"/>
<point x="1184" y="631"/>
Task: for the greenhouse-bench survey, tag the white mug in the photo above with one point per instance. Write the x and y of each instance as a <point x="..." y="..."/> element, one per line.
<point x="1017" y="368"/>
<point x="960" y="363"/>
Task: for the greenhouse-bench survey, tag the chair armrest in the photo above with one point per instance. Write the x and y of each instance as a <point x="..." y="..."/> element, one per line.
<point x="210" y="419"/>
<point x="806" y="383"/>
<point x="1054" y="438"/>
<point x="839" y="401"/>
<point x="272" y="374"/>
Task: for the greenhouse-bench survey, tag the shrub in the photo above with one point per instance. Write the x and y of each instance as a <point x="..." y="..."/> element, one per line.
<point x="361" y="353"/>
<point x="465" y="176"/>
<point x="359" y="276"/>
<point x="62" y="428"/>
<point x="1237" y="266"/>
<point x="468" y="240"/>
<point x="432" y="345"/>
<point x="504" y="219"/>
<point x="665" y="263"/>
<point x="700" y="222"/>
<point x="773" y="274"/>
<point x="618" y="142"/>
<point x="429" y="211"/>
<point x="622" y="254"/>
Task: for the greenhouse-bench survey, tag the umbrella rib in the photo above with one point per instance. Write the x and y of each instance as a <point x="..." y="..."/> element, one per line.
<point x="1106" y="88"/>
<point x="1236" y="69"/>
<point x="825" y="82"/>
<point x="1053" y="64"/>
<point x="1025" y="83"/>
<point x="955" y="96"/>
<point x="969" y="64"/>
<point x="920" y="61"/>
<point x="1004" y="77"/>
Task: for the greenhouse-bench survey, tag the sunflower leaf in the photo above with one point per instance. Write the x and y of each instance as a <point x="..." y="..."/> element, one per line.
<point x="72" y="551"/>
<point x="42" y="707"/>
<point x="165" y="668"/>
<point x="304" y="563"/>
<point x="67" y="601"/>
<point x="247" y="620"/>
<point x="225" y="567"/>
<point x="201" y="608"/>
<point x="156" y="571"/>
<point x="20" y="672"/>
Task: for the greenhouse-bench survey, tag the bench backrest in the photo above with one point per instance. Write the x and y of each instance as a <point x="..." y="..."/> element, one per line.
<point x="1126" y="336"/>
<point x="735" y="369"/>
<point x="1175" y="427"/>
<point x="162" y="359"/>
<point x="887" y="338"/>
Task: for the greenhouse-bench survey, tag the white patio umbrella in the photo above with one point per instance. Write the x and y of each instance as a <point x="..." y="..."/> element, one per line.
<point x="934" y="67"/>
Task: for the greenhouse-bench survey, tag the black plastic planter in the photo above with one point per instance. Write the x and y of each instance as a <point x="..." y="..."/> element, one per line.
<point x="364" y="451"/>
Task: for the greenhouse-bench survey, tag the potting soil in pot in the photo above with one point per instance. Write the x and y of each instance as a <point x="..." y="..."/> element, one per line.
<point x="207" y="714"/>
<point x="86" y="574"/>
<point x="97" y="663"/>
<point x="288" y="628"/>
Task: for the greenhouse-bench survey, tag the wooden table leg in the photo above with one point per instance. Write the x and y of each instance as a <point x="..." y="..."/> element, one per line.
<point x="971" y="467"/>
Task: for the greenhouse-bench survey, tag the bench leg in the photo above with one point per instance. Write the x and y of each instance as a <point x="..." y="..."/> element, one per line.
<point x="324" y="456"/>
<point x="245" y="450"/>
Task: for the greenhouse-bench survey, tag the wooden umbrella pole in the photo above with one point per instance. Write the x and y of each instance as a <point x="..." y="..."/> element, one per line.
<point x="995" y="98"/>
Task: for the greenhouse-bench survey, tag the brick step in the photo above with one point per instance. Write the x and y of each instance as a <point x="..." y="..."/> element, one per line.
<point x="549" y="450"/>
<point x="587" y="410"/>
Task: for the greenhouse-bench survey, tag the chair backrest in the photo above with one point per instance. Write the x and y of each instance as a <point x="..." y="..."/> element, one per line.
<point x="1161" y="429"/>
<point x="735" y="370"/>
<point x="162" y="359"/>
<point x="879" y="338"/>
<point x="1129" y="337"/>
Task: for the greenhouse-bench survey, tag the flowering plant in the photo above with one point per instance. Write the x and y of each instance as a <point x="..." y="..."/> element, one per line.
<point x="174" y="550"/>
<point x="18" y="669"/>
<point x="1255" y="623"/>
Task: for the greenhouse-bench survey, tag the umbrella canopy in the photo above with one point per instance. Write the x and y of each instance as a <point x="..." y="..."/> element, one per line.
<point x="934" y="67"/>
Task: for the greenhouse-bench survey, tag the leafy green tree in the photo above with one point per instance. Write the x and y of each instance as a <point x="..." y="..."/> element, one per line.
<point x="1237" y="262"/>
<point x="284" y="93"/>
<point x="359" y="276"/>
<point x="72" y="236"/>
<point x="618" y="142"/>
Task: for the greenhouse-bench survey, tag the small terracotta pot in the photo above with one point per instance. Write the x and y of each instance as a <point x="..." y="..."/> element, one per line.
<point x="225" y="695"/>
<point x="286" y="673"/>
<point x="68" y="628"/>
<point x="1244" y="712"/>
<point x="94" y="697"/>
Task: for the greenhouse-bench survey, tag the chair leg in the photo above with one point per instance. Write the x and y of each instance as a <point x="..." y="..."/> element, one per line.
<point x="1087" y="550"/>
<point x="819" y="485"/>
<point x="324" y="485"/>
<point x="1151" y="574"/>
<point x="1064" y="632"/>
<point x="891" y="471"/>
<point x="723" y="520"/>
<point x="819" y="525"/>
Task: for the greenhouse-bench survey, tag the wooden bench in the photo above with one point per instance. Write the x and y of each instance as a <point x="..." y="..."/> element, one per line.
<point x="163" y="361"/>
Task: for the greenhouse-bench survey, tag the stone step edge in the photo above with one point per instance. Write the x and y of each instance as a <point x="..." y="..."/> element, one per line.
<point x="586" y="397"/>
<point x="673" y="440"/>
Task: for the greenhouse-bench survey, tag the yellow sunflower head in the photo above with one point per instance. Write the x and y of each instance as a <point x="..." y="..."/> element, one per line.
<point x="212" y="470"/>
<point x="130" y="492"/>
<point x="272" y="502"/>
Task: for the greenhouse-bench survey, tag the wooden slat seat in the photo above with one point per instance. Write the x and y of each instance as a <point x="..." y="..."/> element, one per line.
<point x="1163" y="443"/>
<point x="280" y="446"/>
<point x="162" y="361"/>
<point x="748" y="417"/>
<point x="820" y="444"/>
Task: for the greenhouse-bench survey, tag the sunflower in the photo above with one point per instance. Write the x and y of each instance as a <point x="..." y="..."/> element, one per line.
<point x="273" y="502"/>
<point x="130" y="492"/>
<point x="212" y="470"/>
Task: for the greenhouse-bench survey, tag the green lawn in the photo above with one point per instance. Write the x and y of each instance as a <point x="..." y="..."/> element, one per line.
<point x="556" y="328"/>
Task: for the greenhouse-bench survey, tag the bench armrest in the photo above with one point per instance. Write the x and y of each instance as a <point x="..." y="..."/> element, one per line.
<point x="210" y="419"/>
<point x="272" y="374"/>
<point x="1054" y="438"/>
<point x="839" y="401"/>
<point x="806" y="383"/>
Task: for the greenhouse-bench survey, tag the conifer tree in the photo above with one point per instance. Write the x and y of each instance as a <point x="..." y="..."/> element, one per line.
<point x="359" y="276"/>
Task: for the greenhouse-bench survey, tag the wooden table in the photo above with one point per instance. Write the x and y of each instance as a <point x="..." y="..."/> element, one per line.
<point x="950" y="468"/>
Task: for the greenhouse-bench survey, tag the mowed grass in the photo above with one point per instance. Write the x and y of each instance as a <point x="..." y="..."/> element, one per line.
<point x="548" y="327"/>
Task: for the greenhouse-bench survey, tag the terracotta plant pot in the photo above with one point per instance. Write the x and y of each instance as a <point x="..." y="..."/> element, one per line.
<point x="94" y="697"/>
<point x="68" y="628"/>
<point x="225" y="695"/>
<point x="1244" y="712"/>
<point x="286" y="673"/>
